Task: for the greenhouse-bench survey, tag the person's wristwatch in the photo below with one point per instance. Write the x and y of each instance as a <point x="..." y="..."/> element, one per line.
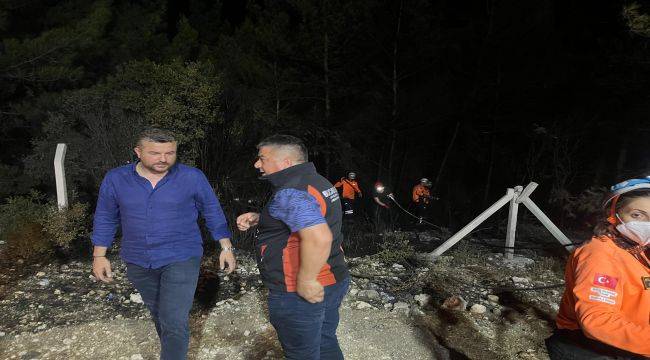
<point x="228" y="248"/>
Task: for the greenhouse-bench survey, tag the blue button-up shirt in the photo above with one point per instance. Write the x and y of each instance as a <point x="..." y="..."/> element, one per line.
<point x="159" y="225"/>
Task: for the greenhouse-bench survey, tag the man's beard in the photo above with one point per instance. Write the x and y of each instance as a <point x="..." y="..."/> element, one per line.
<point x="157" y="170"/>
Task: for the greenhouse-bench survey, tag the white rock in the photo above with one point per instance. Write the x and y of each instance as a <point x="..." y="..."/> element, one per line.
<point x="136" y="298"/>
<point x="369" y="294"/>
<point x="67" y="341"/>
<point x="2" y="333"/>
<point x="401" y="308"/>
<point x="354" y="292"/>
<point x="40" y="274"/>
<point x="422" y="299"/>
<point x="493" y="299"/>
<point x="44" y="282"/>
<point x="416" y="311"/>
<point x="519" y="261"/>
<point x="519" y="280"/>
<point x="400" y="305"/>
<point x="362" y="305"/>
<point x="247" y="333"/>
<point x="398" y="267"/>
<point x="478" y="309"/>
<point x="136" y="357"/>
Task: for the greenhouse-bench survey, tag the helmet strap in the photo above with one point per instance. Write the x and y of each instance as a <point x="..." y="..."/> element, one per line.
<point x="612" y="212"/>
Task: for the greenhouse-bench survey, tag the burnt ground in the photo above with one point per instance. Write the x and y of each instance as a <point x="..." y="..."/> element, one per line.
<point x="394" y="310"/>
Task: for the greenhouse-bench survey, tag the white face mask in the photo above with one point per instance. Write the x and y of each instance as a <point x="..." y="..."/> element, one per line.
<point x="637" y="231"/>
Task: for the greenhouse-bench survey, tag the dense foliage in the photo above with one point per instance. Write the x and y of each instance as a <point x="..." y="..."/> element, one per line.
<point x="476" y="96"/>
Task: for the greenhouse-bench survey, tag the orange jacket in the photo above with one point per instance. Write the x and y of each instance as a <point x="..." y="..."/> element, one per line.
<point x="605" y="296"/>
<point x="350" y="188"/>
<point x="421" y="192"/>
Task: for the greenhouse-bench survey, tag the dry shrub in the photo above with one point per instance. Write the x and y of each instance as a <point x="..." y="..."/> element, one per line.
<point x="21" y="229"/>
<point x="28" y="242"/>
<point x="34" y="229"/>
<point x="64" y="227"/>
<point x="395" y="248"/>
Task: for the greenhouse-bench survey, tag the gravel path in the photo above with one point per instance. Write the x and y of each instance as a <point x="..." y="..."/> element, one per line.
<point x="235" y="329"/>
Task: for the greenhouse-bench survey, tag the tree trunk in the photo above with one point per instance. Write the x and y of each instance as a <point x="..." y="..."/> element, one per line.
<point x="622" y="157"/>
<point x="488" y="178"/>
<point x="395" y="88"/>
<point x="326" y="85"/>
<point x="277" y="92"/>
<point x="444" y="159"/>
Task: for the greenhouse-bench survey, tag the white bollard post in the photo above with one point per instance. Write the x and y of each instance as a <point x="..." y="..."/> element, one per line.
<point x="512" y="224"/>
<point x="59" y="174"/>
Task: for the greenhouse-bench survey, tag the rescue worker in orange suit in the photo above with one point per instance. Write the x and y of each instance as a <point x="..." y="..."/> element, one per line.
<point x="606" y="303"/>
<point x="422" y="198"/>
<point x="349" y="190"/>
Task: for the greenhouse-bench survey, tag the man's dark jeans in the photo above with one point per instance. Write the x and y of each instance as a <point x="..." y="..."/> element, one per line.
<point x="308" y="331"/>
<point x="168" y="293"/>
<point x="574" y="345"/>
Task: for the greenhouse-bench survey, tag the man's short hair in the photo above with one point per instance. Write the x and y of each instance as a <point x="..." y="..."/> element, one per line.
<point x="156" y="135"/>
<point x="288" y="142"/>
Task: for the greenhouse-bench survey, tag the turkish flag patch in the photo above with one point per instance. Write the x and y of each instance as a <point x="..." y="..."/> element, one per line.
<point x="605" y="281"/>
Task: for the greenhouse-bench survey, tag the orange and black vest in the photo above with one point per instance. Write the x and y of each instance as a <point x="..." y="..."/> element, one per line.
<point x="278" y="249"/>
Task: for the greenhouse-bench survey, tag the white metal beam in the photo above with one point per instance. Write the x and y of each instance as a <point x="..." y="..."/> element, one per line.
<point x="510" y="193"/>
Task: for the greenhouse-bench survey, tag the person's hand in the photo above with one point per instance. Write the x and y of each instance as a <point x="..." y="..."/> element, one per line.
<point x="310" y="290"/>
<point x="245" y="221"/>
<point x="227" y="257"/>
<point x="102" y="269"/>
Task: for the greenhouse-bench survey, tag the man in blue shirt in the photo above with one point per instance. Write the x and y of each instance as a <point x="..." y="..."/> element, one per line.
<point x="157" y="203"/>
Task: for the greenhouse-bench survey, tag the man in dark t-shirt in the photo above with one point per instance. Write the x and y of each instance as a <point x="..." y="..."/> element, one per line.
<point x="383" y="197"/>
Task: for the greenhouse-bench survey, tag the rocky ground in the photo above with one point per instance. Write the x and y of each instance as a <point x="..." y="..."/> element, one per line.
<point x="470" y="303"/>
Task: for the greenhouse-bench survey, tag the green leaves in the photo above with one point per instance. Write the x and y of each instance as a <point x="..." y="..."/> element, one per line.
<point x="47" y="61"/>
<point x="100" y="124"/>
<point x="638" y="21"/>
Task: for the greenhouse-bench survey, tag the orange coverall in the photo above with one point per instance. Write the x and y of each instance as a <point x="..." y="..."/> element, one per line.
<point x="421" y="191"/>
<point x="607" y="296"/>
<point x="350" y="188"/>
